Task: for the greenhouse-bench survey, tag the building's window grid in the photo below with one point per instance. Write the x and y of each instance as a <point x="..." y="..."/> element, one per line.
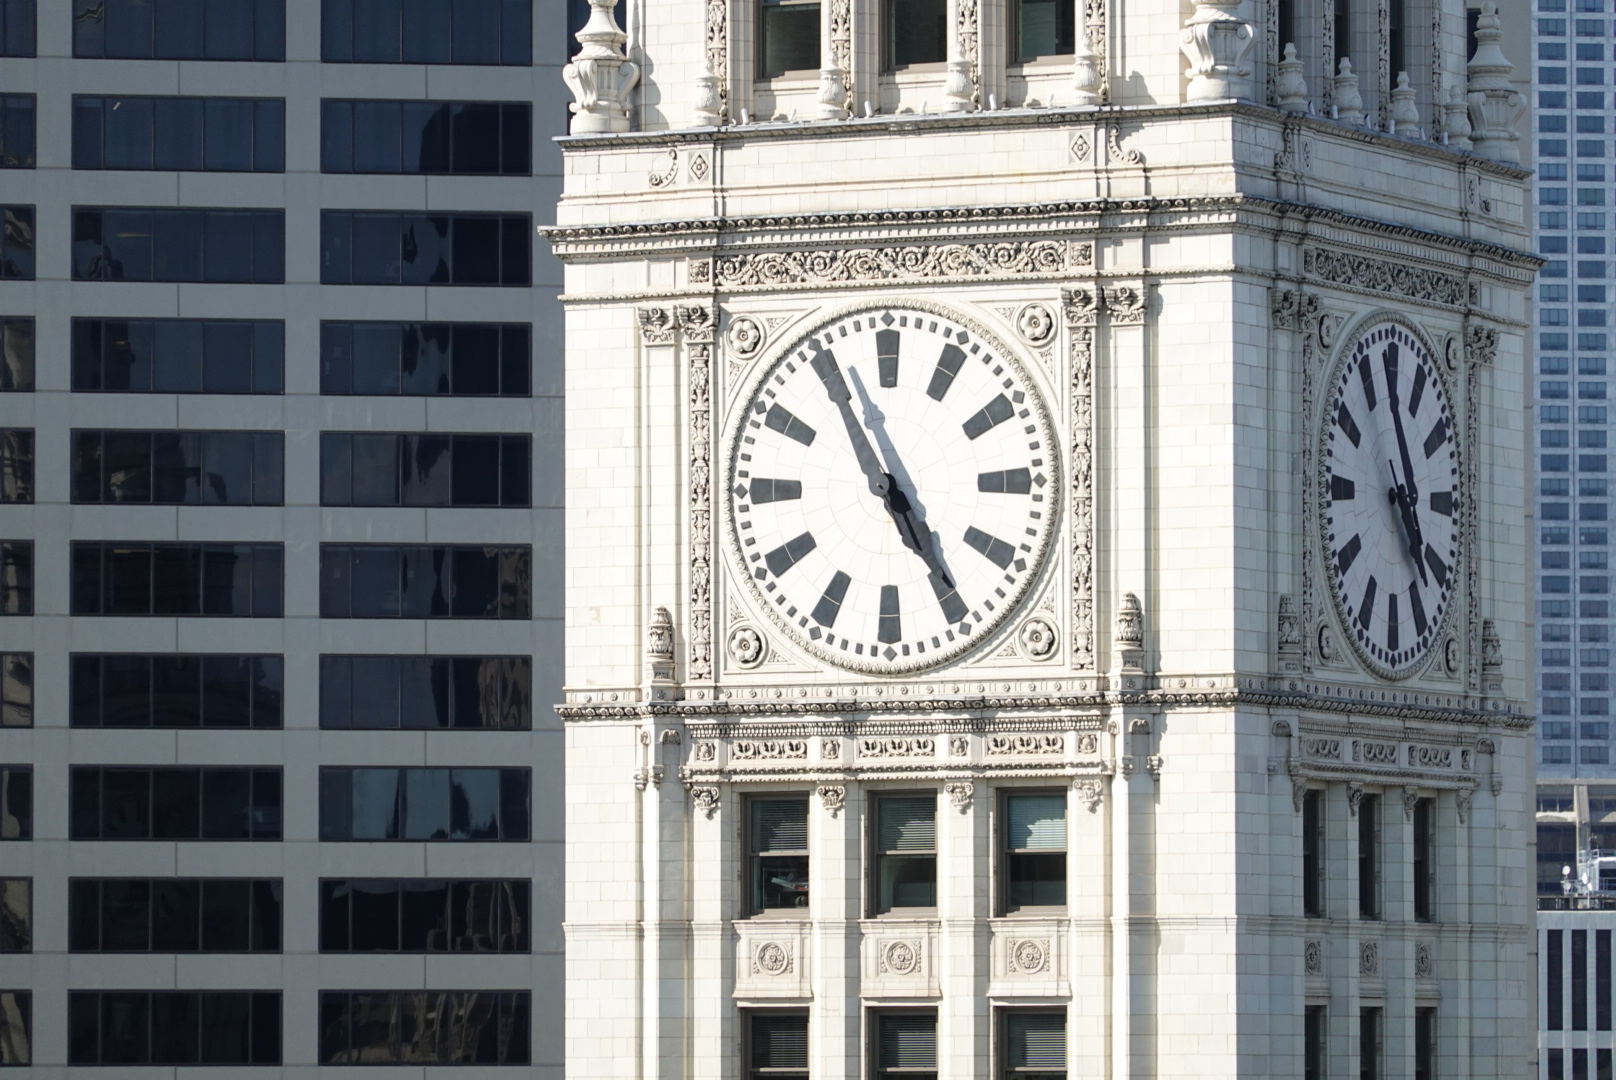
<point x="1574" y="127"/>
<point x="230" y="347"/>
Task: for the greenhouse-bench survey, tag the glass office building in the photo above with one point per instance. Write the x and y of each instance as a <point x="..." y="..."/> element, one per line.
<point x="280" y="534"/>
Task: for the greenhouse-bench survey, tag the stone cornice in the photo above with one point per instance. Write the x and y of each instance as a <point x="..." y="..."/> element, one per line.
<point x="990" y="712"/>
<point x="912" y="124"/>
<point x="1059" y="219"/>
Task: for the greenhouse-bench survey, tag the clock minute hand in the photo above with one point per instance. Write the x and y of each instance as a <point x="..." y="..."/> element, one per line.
<point x="830" y="373"/>
<point x="916" y="537"/>
<point x="1411" y="524"/>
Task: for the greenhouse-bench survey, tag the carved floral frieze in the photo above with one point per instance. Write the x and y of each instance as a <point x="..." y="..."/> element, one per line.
<point x="917" y="262"/>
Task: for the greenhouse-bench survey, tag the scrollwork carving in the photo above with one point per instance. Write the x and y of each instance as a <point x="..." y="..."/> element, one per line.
<point x="1027" y="956"/>
<point x="1090" y="791"/>
<point x="706" y="797"/>
<point x="960" y="793"/>
<point x="897" y="748"/>
<point x="1003" y="745"/>
<point x="1377" y="275"/>
<point x="914" y="263"/>
<point x="768" y="749"/>
<point x="833" y="796"/>
<point x="1313" y="957"/>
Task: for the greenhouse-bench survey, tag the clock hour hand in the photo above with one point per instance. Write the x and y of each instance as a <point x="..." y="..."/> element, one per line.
<point x="1411" y="525"/>
<point x="916" y="537"/>
<point x="830" y="373"/>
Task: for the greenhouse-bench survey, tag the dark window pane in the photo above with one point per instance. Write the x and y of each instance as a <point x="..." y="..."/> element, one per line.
<point x="83" y="915"/>
<point x="17" y="135"/>
<point x="516" y="250"/>
<point x="84" y="809"/>
<point x="180" y="29"/>
<point x="129" y="28"/>
<point x="376" y="257"/>
<point x="176" y="580"/>
<point x="516" y="32"/>
<point x="89" y="133"/>
<point x="336" y="31"/>
<point x="267" y="691"/>
<point x="476" y="139"/>
<point x="226" y="795"/>
<point x="227" y="691"/>
<point x="376" y="31"/>
<point x="476" y="470"/>
<point x="227" y="358"/>
<point x="516" y="140"/>
<point x="125" y="915"/>
<point x="476" y="250"/>
<point x="375" y="916"/>
<point x="177" y="244"/>
<point x="226" y="915"/>
<point x="476" y="583"/>
<point x="17" y="249"/>
<point x="228" y="251"/>
<point x="229" y="30"/>
<point x="269" y="247"/>
<point x="423" y="700"/>
<point x="125" y="1027"/>
<point x="179" y="133"/>
<point x="476" y="359"/>
<point x="269" y="43"/>
<point x="428" y="141"/>
<point x="177" y="352"/>
<point x="83" y="1028"/>
<point x="336" y="136"/>
<point x="266" y="804"/>
<point x="376" y="136"/>
<point x="424" y="916"/>
<point x="376" y="685"/>
<point x="176" y="809"/>
<point x="126" y="804"/>
<point x="126" y="683"/>
<point x="16" y="354"/>
<point x="226" y="1030"/>
<point x="176" y="915"/>
<point x="84" y="691"/>
<point x="176" y="691"/>
<point x="476" y="31"/>
<point x="515" y="803"/>
<point x="265" y="934"/>
<point x="426" y="32"/>
<point x="229" y="133"/>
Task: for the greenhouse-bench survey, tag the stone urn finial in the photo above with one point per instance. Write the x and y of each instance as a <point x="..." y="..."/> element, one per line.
<point x="1216" y="42"/>
<point x="601" y="75"/>
<point x="1348" y="101"/>
<point x="1495" y="106"/>
<point x="832" y="97"/>
<point x="708" y="110"/>
<point x="659" y="645"/>
<point x="1457" y="114"/>
<point x="1085" y="72"/>
<point x="1405" y="115"/>
<point x="1291" y="87"/>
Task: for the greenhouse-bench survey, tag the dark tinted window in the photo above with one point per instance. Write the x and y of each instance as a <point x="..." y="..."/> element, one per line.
<point x="16" y="577"/>
<point x="16" y="465"/>
<point x="175" y="690"/>
<point x="17" y="915"/>
<point x="178" y="468"/>
<point x="228" y="915"/>
<point x="178" y="356"/>
<point x="17" y="19"/>
<point x="458" y="359"/>
<point x="16" y="354"/>
<point x="426" y="692"/>
<point x="421" y="915"/>
<point x="915" y="32"/>
<point x="137" y="578"/>
<point x="180" y="29"/>
<point x="145" y="244"/>
<point x="16" y="802"/>
<point x="365" y="248"/>
<point x="432" y="1027"/>
<point x="16" y="131"/>
<point x="425" y="581"/>
<point x="179" y="133"/>
<point x="427" y="31"/>
<point x="135" y="803"/>
<point x="429" y="469"/>
<point x="17" y="689"/>
<point x="476" y="138"/>
<point x="16" y="1026"/>
<point x="424" y="804"/>
<point x="174" y="1027"/>
<point x="17" y="243"/>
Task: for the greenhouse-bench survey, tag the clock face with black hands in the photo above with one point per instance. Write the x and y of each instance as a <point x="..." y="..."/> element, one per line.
<point x="1390" y="498"/>
<point x="892" y="489"/>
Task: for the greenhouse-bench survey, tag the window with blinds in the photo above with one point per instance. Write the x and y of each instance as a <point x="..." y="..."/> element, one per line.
<point x="906" y="1045"/>
<point x="777" y="846"/>
<point x="778" y="1046"/>
<point x="906" y="852"/>
<point x="1034" y="864"/>
<point x="1034" y="1046"/>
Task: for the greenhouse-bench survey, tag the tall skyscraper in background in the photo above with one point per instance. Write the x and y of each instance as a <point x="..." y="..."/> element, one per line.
<point x="280" y="465"/>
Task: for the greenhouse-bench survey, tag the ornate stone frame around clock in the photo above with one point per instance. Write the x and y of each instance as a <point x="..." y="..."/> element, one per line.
<point x="1345" y="336"/>
<point x="745" y="392"/>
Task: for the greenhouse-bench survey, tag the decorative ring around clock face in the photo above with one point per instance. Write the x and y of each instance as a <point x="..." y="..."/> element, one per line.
<point x="1389" y="498"/>
<point x="892" y="488"/>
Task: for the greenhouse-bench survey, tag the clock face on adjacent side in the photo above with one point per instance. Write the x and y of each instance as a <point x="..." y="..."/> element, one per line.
<point x="1390" y="497"/>
<point x="892" y="487"/>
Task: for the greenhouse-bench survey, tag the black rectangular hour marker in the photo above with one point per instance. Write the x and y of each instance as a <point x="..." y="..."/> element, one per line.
<point x="1366" y="610"/>
<point x="1417" y="606"/>
<point x="1349" y="552"/>
<point x="991" y="416"/>
<point x="782" y="421"/>
<point x="1349" y="426"/>
<point x="1341" y="489"/>
<point x="886" y="352"/>
<point x="1391" y="622"/>
<point x="1438" y="436"/>
<point x="1367" y="377"/>
<point x="830" y="603"/>
<point x="1009" y="482"/>
<point x="948" y="366"/>
<point x="1416" y="394"/>
<point x="954" y="609"/>
<point x="891" y="618"/>
<point x="1442" y="503"/>
<point x="1438" y="567"/>
<point x="997" y="551"/>
<point x="790" y="553"/>
<point x="768" y="491"/>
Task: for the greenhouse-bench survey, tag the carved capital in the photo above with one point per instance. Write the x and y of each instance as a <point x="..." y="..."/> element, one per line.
<point x="833" y="796"/>
<point x="1090" y="791"/>
<point x="657" y="325"/>
<point x="706" y="797"/>
<point x="960" y="793"/>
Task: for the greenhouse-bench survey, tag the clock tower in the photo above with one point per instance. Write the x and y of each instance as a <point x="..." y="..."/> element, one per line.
<point x="1047" y="542"/>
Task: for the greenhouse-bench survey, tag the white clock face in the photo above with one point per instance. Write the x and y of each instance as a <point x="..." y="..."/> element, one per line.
<point x="1390" y="498"/>
<point x="892" y="489"/>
